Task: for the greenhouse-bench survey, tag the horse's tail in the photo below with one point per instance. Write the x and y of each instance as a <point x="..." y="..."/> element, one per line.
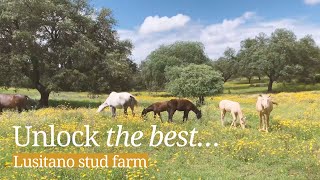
<point x="133" y="101"/>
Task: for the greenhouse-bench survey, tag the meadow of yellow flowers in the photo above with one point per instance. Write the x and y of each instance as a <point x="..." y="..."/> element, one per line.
<point x="290" y="150"/>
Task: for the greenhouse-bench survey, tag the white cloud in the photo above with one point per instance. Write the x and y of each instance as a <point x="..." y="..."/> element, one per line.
<point x="216" y="37"/>
<point x="159" y="24"/>
<point x="311" y="2"/>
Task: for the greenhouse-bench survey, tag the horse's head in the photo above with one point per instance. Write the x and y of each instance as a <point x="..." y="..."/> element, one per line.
<point x="144" y="112"/>
<point x="243" y="122"/>
<point x="199" y="114"/>
<point x="265" y="101"/>
<point x="32" y="104"/>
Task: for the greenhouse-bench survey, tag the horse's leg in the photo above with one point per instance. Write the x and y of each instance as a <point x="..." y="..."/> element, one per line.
<point x="234" y="122"/>
<point x="160" y="116"/>
<point x="113" y="110"/>
<point x="132" y="109"/>
<point x="19" y="109"/>
<point x="1" y="110"/>
<point x="222" y="113"/>
<point x="264" y="121"/>
<point x="261" y="116"/>
<point x="154" y="115"/>
<point x="125" y="110"/>
<point x="267" y="122"/>
<point x="25" y="108"/>
<point x="170" y="113"/>
<point x="185" y="115"/>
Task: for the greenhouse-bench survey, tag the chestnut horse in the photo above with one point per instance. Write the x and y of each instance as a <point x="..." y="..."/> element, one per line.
<point x="16" y="101"/>
<point x="182" y="105"/>
<point x="157" y="108"/>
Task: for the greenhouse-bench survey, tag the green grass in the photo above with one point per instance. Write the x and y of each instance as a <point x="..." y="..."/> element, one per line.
<point x="242" y="87"/>
<point x="290" y="151"/>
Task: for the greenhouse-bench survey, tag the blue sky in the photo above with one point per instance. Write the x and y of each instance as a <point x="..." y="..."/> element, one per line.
<point x="217" y="24"/>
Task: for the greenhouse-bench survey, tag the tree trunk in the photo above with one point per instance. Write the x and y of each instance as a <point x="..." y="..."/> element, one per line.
<point x="201" y="100"/>
<point x="249" y="78"/>
<point x="270" y="85"/>
<point x="44" y="100"/>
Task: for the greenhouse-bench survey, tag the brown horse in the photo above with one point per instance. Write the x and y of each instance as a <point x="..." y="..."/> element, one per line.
<point x="157" y="108"/>
<point x="182" y="105"/>
<point x="16" y="101"/>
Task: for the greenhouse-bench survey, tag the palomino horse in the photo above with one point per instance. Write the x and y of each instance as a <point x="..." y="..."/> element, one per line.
<point x="182" y="105"/>
<point x="264" y="106"/>
<point x="119" y="100"/>
<point x="157" y="108"/>
<point x="16" y="101"/>
<point x="235" y="110"/>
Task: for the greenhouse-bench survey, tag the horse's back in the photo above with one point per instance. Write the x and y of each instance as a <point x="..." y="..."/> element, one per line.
<point x="229" y="105"/>
<point x="119" y="99"/>
<point x="160" y="106"/>
<point x="12" y="100"/>
<point x="180" y="104"/>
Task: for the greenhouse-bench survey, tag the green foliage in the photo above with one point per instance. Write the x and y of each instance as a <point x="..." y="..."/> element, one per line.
<point x="281" y="57"/>
<point x="194" y="81"/>
<point x="227" y="65"/>
<point x="247" y="62"/>
<point x="62" y="45"/>
<point x="177" y="54"/>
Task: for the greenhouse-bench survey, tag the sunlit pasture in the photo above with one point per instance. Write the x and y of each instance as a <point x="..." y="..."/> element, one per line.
<point x="290" y="150"/>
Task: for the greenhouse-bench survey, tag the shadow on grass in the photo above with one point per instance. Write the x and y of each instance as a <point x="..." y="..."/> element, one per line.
<point x="82" y="103"/>
<point x="73" y="103"/>
<point x="296" y="87"/>
<point x="260" y="88"/>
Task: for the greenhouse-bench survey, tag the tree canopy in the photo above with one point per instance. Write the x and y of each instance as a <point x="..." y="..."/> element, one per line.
<point x="194" y="81"/>
<point x="227" y="64"/>
<point x="62" y="45"/>
<point x="280" y="57"/>
<point x="177" y="54"/>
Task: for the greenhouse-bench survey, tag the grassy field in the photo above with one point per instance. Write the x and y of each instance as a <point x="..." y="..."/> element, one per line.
<point x="290" y="151"/>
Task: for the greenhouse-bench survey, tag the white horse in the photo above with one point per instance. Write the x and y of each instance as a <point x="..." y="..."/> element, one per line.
<point x="264" y="106"/>
<point x="119" y="100"/>
<point x="235" y="110"/>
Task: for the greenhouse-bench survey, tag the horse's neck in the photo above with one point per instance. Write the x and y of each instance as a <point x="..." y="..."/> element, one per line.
<point x="195" y="109"/>
<point x="150" y="108"/>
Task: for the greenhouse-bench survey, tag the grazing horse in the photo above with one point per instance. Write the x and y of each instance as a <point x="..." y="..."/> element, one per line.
<point x="156" y="108"/>
<point x="16" y="101"/>
<point x="182" y="105"/>
<point x="119" y="100"/>
<point x="234" y="109"/>
<point x="264" y="106"/>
